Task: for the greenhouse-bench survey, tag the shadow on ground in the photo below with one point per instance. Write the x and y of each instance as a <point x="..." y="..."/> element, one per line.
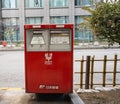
<point x="20" y="97"/>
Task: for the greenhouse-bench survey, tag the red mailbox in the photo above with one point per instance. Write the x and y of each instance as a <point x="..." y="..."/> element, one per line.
<point x="4" y="43"/>
<point x="48" y="58"/>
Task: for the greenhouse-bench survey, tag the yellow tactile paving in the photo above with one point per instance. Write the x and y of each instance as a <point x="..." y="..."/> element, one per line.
<point x="7" y="88"/>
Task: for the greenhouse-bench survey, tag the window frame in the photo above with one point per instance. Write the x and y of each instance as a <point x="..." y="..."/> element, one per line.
<point x="35" y="19"/>
<point x="9" y="2"/>
<point x="82" y="3"/>
<point x="28" y="4"/>
<point x="57" y="19"/>
<point x="53" y="3"/>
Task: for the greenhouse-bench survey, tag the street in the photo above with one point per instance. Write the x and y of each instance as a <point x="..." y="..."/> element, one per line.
<point x="12" y="69"/>
<point x="98" y="66"/>
<point x="99" y="54"/>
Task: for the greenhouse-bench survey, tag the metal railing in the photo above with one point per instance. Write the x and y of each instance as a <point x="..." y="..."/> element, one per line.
<point x="87" y="70"/>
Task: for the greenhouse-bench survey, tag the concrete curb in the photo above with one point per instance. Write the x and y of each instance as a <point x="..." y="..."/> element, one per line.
<point x="11" y="49"/>
<point x="96" y="47"/>
<point x="75" y="47"/>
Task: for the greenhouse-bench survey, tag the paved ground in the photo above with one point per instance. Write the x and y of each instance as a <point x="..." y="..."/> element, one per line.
<point x="13" y="96"/>
<point x="18" y="96"/>
<point x="12" y="69"/>
<point x="102" y="97"/>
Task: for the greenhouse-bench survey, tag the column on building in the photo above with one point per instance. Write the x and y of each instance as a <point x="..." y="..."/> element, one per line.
<point x="1" y="30"/>
<point x="21" y="18"/>
<point x="46" y="12"/>
<point x="71" y="11"/>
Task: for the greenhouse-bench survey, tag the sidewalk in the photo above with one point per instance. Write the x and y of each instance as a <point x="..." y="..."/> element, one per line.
<point x="15" y="96"/>
<point x="76" y="47"/>
<point x="11" y="48"/>
<point x="96" y="47"/>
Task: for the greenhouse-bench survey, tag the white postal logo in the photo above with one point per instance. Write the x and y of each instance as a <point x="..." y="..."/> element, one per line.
<point x="48" y="58"/>
<point x="48" y="87"/>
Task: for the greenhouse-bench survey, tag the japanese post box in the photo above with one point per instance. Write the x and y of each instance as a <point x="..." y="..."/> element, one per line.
<point x="48" y="58"/>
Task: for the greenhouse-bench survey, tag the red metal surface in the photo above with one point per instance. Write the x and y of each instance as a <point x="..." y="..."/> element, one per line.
<point x="58" y="74"/>
<point x="53" y="76"/>
<point x="4" y="43"/>
<point x="52" y="26"/>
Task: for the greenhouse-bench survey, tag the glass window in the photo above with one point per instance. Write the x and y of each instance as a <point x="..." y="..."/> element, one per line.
<point x="59" y="19"/>
<point x="34" y="20"/>
<point x="33" y="3"/>
<point x="5" y="4"/>
<point x="13" y="3"/>
<point x="58" y="3"/>
<point x="31" y="20"/>
<point x="78" y="19"/>
<point x="10" y="21"/>
<point x="6" y="22"/>
<point x="13" y="21"/>
<point x="87" y="2"/>
<point x="38" y="20"/>
<point x="9" y="3"/>
<point x="88" y="35"/>
<point x="78" y="35"/>
<point x="83" y="2"/>
<point x="83" y="35"/>
<point x="78" y="2"/>
<point x="11" y="31"/>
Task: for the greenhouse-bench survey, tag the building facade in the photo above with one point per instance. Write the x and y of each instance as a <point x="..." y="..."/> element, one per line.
<point x="15" y="13"/>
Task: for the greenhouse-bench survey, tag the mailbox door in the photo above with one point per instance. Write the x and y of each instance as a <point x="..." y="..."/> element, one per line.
<point x="53" y="76"/>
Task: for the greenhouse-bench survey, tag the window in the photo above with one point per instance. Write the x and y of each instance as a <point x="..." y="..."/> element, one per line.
<point x="34" y="20"/>
<point x="59" y="19"/>
<point x="58" y="3"/>
<point x="33" y="3"/>
<point x="9" y="3"/>
<point x="87" y="2"/>
<point x="84" y="34"/>
<point x="10" y="21"/>
<point x="83" y="2"/>
<point x="11" y="31"/>
<point x="78" y="2"/>
<point x="78" y="19"/>
<point x="78" y="35"/>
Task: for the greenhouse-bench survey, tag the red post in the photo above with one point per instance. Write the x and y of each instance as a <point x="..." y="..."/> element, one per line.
<point x="4" y="43"/>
